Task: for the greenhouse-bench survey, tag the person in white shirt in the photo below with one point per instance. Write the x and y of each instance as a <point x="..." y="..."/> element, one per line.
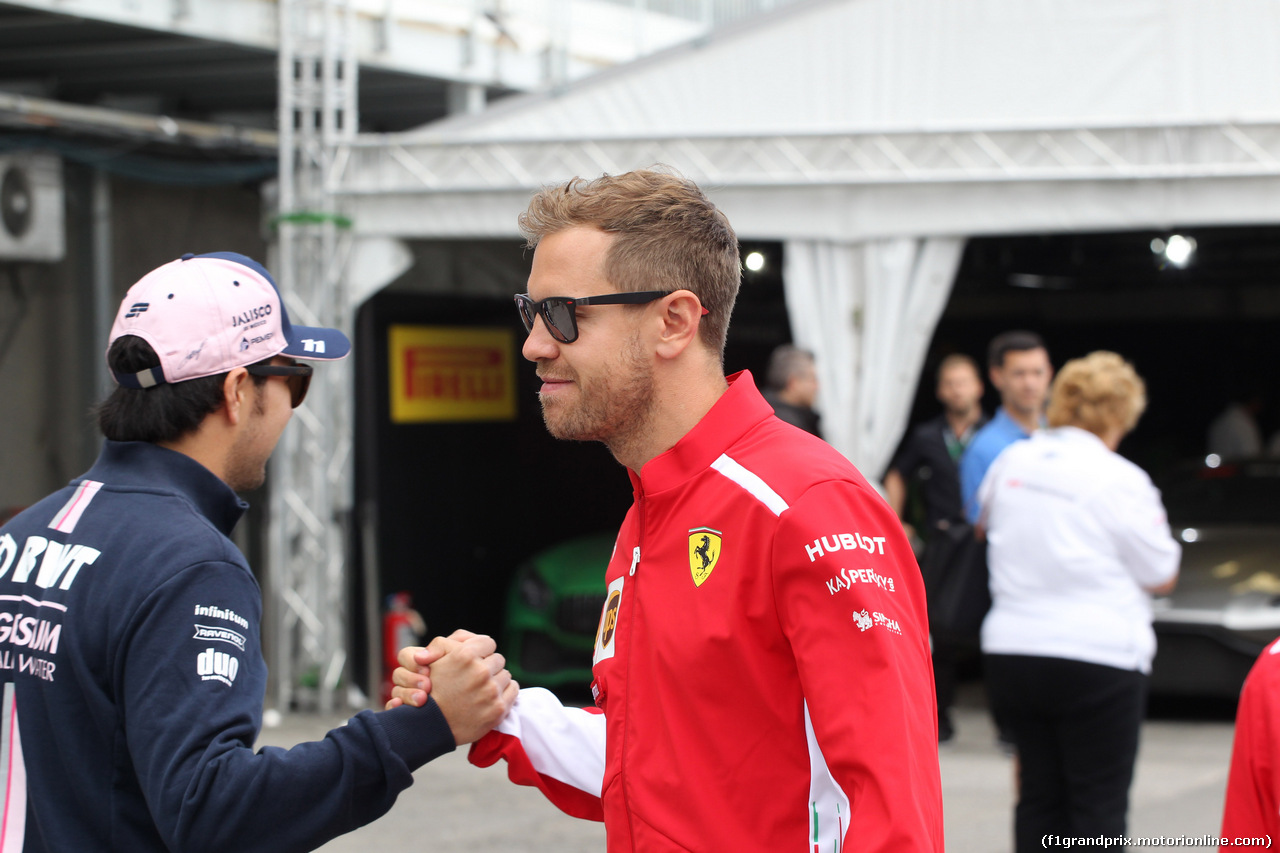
<point x="1077" y="544"/>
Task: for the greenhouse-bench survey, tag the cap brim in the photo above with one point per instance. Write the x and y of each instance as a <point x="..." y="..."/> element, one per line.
<point x="317" y="343"/>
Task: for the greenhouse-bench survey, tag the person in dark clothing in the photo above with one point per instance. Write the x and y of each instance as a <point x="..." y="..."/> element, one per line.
<point x="791" y="387"/>
<point x="930" y="459"/>
<point x="131" y="665"/>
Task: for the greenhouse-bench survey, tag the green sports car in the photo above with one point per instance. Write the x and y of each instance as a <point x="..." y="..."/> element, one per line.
<point x="553" y="612"/>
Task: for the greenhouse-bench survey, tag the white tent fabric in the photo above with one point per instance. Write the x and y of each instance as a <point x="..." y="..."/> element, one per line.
<point x="867" y="311"/>
<point x="856" y="211"/>
<point x="873" y="136"/>
<point x="850" y="65"/>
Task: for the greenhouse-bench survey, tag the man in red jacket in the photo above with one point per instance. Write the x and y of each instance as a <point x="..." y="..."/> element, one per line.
<point x="761" y="672"/>
<point x="1252" y="807"/>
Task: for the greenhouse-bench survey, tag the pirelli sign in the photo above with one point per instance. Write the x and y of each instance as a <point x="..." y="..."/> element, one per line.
<point x="447" y="373"/>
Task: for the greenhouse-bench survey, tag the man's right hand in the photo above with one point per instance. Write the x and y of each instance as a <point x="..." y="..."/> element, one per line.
<point x="465" y="675"/>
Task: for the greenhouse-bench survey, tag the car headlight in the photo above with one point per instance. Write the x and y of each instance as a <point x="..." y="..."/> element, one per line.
<point x="535" y="592"/>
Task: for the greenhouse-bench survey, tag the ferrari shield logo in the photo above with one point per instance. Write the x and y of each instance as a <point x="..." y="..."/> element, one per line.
<point x="704" y="551"/>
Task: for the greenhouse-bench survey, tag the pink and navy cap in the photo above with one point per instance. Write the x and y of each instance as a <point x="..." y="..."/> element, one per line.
<point x="208" y="314"/>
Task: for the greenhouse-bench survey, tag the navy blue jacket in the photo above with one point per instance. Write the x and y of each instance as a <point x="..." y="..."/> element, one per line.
<point x="129" y="650"/>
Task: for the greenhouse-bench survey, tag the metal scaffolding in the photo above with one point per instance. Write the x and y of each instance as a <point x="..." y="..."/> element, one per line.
<point x="323" y="164"/>
<point x="398" y="164"/>
<point x="311" y="475"/>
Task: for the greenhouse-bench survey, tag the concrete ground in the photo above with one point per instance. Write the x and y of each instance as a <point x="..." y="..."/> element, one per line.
<point x="456" y="808"/>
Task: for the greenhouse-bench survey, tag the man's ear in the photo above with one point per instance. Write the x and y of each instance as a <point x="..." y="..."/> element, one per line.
<point x="681" y="316"/>
<point x="235" y="394"/>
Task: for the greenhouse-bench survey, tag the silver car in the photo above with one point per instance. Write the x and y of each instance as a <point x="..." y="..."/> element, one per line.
<point x="1226" y="607"/>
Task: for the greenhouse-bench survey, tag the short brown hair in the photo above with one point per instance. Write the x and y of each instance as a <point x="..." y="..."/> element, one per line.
<point x="669" y="236"/>
<point x="958" y="359"/>
<point x="786" y="361"/>
<point x="1096" y="393"/>
<point x="1015" y="341"/>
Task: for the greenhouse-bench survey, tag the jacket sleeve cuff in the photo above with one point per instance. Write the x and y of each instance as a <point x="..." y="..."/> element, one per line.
<point x="418" y="735"/>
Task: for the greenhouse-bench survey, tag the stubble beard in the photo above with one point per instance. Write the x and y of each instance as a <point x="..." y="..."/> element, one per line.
<point x="245" y="475"/>
<point x="246" y="467"/>
<point x="614" y="409"/>
<point x="1029" y="409"/>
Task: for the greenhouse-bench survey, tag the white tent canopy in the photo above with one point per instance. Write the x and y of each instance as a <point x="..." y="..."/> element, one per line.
<point x="873" y="136"/>
<point x="824" y="66"/>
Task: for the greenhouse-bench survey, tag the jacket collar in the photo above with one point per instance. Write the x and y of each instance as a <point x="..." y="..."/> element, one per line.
<point x="737" y="411"/>
<point x="146" y="466"/>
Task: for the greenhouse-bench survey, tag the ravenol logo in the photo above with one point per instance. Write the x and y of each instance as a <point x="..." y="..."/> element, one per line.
<point x="217" y="666"/>
<point x="704" y="551"/>
<point x="212" y="634"/>
<point x="136" y="309"/>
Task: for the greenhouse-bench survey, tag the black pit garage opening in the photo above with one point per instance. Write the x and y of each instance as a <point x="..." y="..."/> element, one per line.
<point x="1200" y="334"/>
<point x="451" y="502"/>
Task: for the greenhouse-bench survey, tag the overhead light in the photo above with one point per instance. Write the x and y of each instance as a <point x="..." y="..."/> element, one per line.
<point x="1177" y="250"/>
<point x="1190" y="534"/>
<point x="754" y="261"/>
<point x="1213" y="460"/>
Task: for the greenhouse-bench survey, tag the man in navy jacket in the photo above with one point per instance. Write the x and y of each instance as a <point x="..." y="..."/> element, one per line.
<point x="130" y="658"/>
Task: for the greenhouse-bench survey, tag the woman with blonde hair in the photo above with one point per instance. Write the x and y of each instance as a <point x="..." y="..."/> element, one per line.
<point x="1077" y="544"/>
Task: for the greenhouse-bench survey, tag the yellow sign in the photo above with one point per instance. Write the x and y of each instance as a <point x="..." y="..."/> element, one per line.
<point x="451" y="374"/>
<point x="704" y="551"/>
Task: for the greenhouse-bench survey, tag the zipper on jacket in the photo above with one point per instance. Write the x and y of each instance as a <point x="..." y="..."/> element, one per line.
<point x="635" y="603"/>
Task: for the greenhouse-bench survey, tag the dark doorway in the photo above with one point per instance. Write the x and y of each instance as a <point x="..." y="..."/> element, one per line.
<point x="449" y="508"/>
<point x="1199" y="335"/>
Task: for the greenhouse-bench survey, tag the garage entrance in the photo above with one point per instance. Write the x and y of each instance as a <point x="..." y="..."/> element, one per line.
<point x="1201" y="335"/>
<point x="458" y="481"/>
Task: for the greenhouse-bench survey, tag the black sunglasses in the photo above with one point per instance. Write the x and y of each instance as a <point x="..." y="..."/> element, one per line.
<point x="557" y="311"/>
<point x="298" y="377"/>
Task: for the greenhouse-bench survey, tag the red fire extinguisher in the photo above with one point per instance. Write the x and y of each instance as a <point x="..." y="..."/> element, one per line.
<point x="401" y="626"/>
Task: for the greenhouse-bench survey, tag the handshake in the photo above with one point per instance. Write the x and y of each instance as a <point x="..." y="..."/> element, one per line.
<point x="465" y="676"/>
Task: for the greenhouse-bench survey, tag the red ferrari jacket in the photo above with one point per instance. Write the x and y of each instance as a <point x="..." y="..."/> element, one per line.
<point x="1252" y="807"/>
<point x="762" y="670"/>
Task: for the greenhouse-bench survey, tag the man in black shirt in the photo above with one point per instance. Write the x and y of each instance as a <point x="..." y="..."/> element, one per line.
<point x="791" y="387"/>
<point x="929" y="459"/>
